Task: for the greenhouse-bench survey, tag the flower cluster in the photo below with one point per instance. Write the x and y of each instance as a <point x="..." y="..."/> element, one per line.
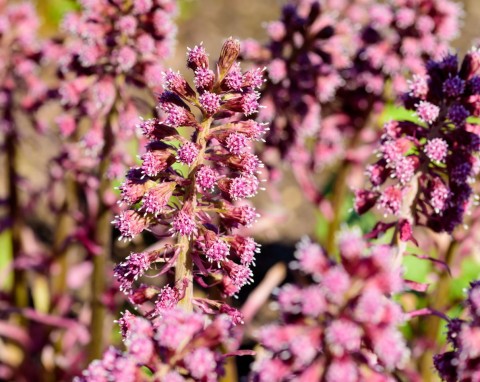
<point x="21" y="86"/>
<point x="399" y="37"/>
<point x="341" y="326"/>
<point x="394" y="43"/>
<point x="192" y="188"/>
<point x="463" y="363"/>
<point x="323" y="95"/>
<point x="179" y="347"/>
<point x="425" y="167"/>
<point x="306" y="51"/>
<point x="109" y="48"/>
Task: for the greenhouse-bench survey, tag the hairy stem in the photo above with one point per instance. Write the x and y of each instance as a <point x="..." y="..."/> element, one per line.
<point x="184" y="264"/>
<point x="184" y="271"/>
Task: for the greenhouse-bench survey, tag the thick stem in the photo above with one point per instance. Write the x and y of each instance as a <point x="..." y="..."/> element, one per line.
<point x="184" y="264"/>
<point x="65" y="226"/>
<point x="103" y="238"/>
<point x="438" y="301"/>
<point x="339" y="193"/>
<point x="340" y="189"/>
<point x="20" y="287"/>
<point x="184" y="271"/>
<point x="63" y="252"/>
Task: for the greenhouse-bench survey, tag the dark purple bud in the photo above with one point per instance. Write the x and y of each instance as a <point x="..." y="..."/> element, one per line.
<point x="444" y="363"/>
<point x="364" y="201"/>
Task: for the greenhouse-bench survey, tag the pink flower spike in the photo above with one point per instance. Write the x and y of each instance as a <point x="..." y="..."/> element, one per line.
<point x="130" y="224"/>
<point x="391" y="200"/>
<point x="184" y="224"/>
<point x="206" y="177"/>
<point x="187" y="153"/>
<point x="427" y="111"/>
<point x="234" y="78"/>
<point x="236" y="142"/>
<point x="217" y="251"/>
<point x="204" y="78"/>
<point x="419" y="86"/>
<point x="210" y="102"/>
<point x="157" y="197"/>
<point x="197" y="57"/>
<point x="243" y="187"/>
<point x="436" y="149"/>
<point x="250" y="103"/>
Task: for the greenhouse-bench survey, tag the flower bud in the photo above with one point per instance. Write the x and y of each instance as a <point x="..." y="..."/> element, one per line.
<point x="228" y="55"/>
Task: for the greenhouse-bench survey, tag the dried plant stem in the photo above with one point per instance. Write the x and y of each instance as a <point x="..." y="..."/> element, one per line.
<point x="63" y="252"/>
<point x="438" y="301"/>
<point x="184" y="264"/>
<point x="103" y="239"/>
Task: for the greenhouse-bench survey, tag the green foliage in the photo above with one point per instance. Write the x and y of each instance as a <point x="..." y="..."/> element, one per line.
<point x="52" y="11"/>
<point x="470" y="271"/>
<point x="417" y="269"/>
<point x="394" y="112"/>
<point x="186" y="9"/>
<point x="6" y="258"/>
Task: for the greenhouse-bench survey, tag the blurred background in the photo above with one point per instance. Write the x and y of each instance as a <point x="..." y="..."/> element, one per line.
<point x="210" y="22"/>
<point x="286" y="214"/>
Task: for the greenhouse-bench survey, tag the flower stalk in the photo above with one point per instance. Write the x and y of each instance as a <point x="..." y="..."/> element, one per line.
<point x="103" y="238"/>
<point x="202" y="206"/>
<point x="437" y="301"/>
<point x="20" y="286"/>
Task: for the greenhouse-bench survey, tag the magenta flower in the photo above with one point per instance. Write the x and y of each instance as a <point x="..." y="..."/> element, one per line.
<point x="463" y="362"/>
<point x="342" y="325"/>
<point x="102" y="59"/>
<point x="433" y="187"/>
<point x="198" y="205"/>
<point x="328" y="65"/>
<point x="177" y="346"/>
<point x="20" y="56"/>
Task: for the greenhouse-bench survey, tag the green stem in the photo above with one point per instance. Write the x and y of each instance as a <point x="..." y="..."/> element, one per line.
<point x="66" y="225"/>
<point x="20" y="285"/>
<point x="339" y="193"/>
<point x="103" y="238"/>
<point x="438" y="301"/>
